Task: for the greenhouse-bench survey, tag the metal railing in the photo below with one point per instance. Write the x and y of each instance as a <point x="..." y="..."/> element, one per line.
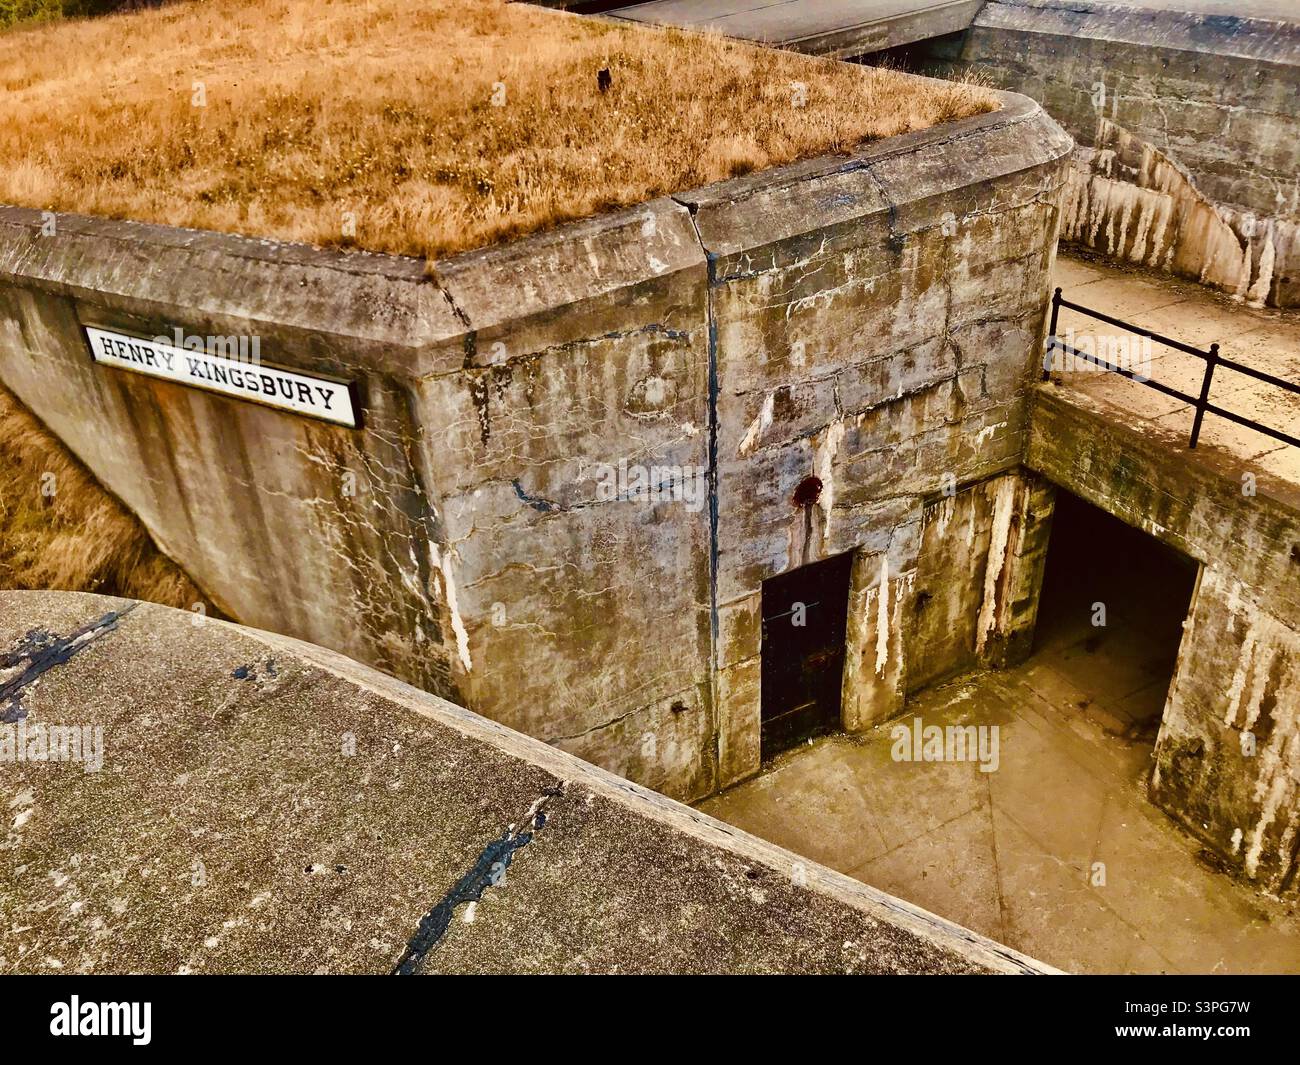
<point x="1212" y="358"/>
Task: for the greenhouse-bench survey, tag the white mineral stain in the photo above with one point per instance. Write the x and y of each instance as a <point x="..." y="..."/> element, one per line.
<point x="758" y="425"/>
<point x="1156" y="216"/>
<point x="830" y="447"/>
<point x="882" y="618"/>
<point x="999" y="536"/>
<point x="442" y="563"/>
<point x="942" y="514"/>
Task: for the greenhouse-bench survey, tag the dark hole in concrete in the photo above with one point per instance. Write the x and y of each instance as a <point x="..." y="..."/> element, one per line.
<point x="807" y="492"/>
<point x="1098" y="569"/>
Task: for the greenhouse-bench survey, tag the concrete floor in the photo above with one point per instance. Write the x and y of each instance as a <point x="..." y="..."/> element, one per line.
<point x="1263" y="338"/>
<point x="1011" y="853"/>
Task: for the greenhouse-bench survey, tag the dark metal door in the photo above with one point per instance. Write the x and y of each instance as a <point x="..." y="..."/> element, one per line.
<point x="805" y="615"/>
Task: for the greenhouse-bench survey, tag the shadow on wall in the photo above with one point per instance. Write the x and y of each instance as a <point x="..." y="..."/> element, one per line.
<point x="1111" y="614"/>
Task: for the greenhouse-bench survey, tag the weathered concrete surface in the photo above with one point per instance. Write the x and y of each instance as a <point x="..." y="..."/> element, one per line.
<point x="838" y="28"/>
<point x="1185" y="113"/>
<point x="981" y="562"/>
<point x="286" y="523"/>
<point x="454" y="540"/>
<point x="884" y="309"/>
<point x="588" y="352"/>
<point x="1228" y="753"/>
<point x="885" y="350"/>
<point x="266" y="806"/>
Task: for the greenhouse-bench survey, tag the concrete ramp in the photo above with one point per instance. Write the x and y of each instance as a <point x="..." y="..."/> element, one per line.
<point x="838" y="28"/>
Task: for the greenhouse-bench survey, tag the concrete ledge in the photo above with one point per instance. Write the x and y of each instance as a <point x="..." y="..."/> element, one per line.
<point x="893" y="179"/>
<point x="839" y="28"/>
<point x="267" y="806"/>
<point x="1247" y="31"/>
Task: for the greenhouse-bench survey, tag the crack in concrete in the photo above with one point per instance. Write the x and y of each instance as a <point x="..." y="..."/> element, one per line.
<point x="488" y="871"/>
<point x="42" y="651"/>
<point x="616" y="720"/>
<point x="714" y="428"/>
<point x="567" y="347"/>
<point x="538" y="503"/>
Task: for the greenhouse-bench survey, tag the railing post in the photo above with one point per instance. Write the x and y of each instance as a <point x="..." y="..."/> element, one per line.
<point x="1051" y="335"/>
<point x="1210" y="363"/>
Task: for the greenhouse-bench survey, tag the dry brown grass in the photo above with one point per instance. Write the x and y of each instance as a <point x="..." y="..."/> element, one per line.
<point x="59" y="529"/>
<point x="317" y="109"/>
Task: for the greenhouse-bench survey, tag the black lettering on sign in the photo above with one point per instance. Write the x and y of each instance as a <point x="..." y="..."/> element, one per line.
<point x="289" y="391"/>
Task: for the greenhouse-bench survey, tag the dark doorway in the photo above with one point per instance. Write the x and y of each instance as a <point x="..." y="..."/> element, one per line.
<point x="805" y="615"/>
<point x="1102" y="570"/>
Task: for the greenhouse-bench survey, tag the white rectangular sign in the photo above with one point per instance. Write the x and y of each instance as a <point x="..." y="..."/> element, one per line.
<point x="316" y="397"/>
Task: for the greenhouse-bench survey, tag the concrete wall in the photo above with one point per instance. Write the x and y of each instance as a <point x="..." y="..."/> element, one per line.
<point x="981" y="564"/>
<point x="1228" y="752"/>
<point x="875" y="328"/>
<point x="1189" y="133"/>
<point x="871" y="319"/>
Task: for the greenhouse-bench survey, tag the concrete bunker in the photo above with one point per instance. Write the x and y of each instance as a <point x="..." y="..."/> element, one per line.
<point x="807" y="391"/>
<point x="495" y="531"/>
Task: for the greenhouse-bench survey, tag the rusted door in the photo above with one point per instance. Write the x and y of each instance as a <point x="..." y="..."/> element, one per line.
<point x="805" y="614"/>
